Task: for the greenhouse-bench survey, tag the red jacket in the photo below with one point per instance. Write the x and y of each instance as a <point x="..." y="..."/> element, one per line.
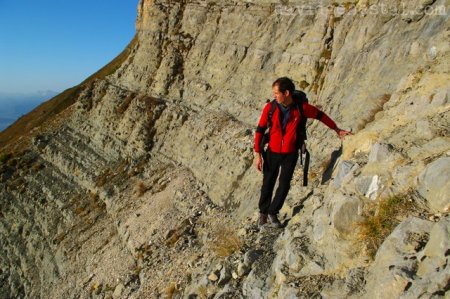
<point x="287" y="142"/>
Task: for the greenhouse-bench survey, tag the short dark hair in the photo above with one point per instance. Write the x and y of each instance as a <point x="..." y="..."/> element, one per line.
<point x="284" y="83"/>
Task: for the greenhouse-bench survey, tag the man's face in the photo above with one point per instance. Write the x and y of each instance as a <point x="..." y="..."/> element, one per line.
<point x="279" y="96"/>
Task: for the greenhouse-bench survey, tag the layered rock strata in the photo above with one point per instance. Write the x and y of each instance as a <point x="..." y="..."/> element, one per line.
<point x="128" y="194"/>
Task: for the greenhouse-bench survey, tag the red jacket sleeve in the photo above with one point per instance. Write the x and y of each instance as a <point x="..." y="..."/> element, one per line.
<point x="262" y="126"/>
<point x="312" y="112"/>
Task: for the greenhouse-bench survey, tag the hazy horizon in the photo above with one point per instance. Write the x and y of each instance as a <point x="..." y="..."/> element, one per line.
<point x="13" y="106"/>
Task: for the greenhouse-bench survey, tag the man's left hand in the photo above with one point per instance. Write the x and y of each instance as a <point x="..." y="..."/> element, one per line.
<point x="342" y="133"/>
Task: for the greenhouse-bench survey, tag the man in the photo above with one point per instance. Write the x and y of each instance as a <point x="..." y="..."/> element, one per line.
<point x="283" y="147"/>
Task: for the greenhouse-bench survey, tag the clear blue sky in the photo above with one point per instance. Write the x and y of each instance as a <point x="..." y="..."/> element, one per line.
<point x="56" y="44"/>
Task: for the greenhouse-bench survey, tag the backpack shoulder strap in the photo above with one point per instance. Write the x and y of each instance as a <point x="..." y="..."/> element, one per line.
<point x="269" y="117"/>
<point x="300" y="109"/>
<point x="299" y="98"/>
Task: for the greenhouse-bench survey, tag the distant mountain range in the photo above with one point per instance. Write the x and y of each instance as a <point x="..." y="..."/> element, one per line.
<point x="14" y="105"/>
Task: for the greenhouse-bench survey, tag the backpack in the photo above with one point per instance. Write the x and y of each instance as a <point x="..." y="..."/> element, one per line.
<point x="299" y="97"/>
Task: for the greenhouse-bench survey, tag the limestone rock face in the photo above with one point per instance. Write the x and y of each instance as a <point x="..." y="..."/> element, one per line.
<point x="434" y="184"/>
<point x="137" y="188"/>
<point x="346" y="213"/>
<point x="389" y="272"/>
<point x="410" y="263"/>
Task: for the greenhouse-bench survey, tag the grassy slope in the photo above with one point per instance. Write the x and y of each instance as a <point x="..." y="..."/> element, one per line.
<point x="49" y="110"/>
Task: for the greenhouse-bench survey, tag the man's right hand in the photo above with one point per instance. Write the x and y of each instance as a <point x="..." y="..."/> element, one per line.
<point x="258" y="161"/>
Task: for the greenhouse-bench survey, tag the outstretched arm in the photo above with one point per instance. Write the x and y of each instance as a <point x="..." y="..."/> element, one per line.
<point x="313" y="112"/>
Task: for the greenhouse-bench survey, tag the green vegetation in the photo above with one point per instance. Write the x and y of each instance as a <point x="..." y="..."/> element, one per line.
<point x="225" y="242"/>
<point x="381" y="219"/>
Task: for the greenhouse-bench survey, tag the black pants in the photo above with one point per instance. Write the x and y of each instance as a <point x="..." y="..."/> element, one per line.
<point x="274" y="164"/>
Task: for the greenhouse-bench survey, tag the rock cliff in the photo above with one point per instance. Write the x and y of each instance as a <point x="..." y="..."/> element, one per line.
<point x="139" y="182"/>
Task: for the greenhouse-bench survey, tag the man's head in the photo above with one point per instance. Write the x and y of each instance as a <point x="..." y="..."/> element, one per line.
<point x="282" y="89"/>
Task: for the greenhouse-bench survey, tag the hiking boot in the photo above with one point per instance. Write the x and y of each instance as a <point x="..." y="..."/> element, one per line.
<point x="274" y="222"/>
<point x="262" y="220"/>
